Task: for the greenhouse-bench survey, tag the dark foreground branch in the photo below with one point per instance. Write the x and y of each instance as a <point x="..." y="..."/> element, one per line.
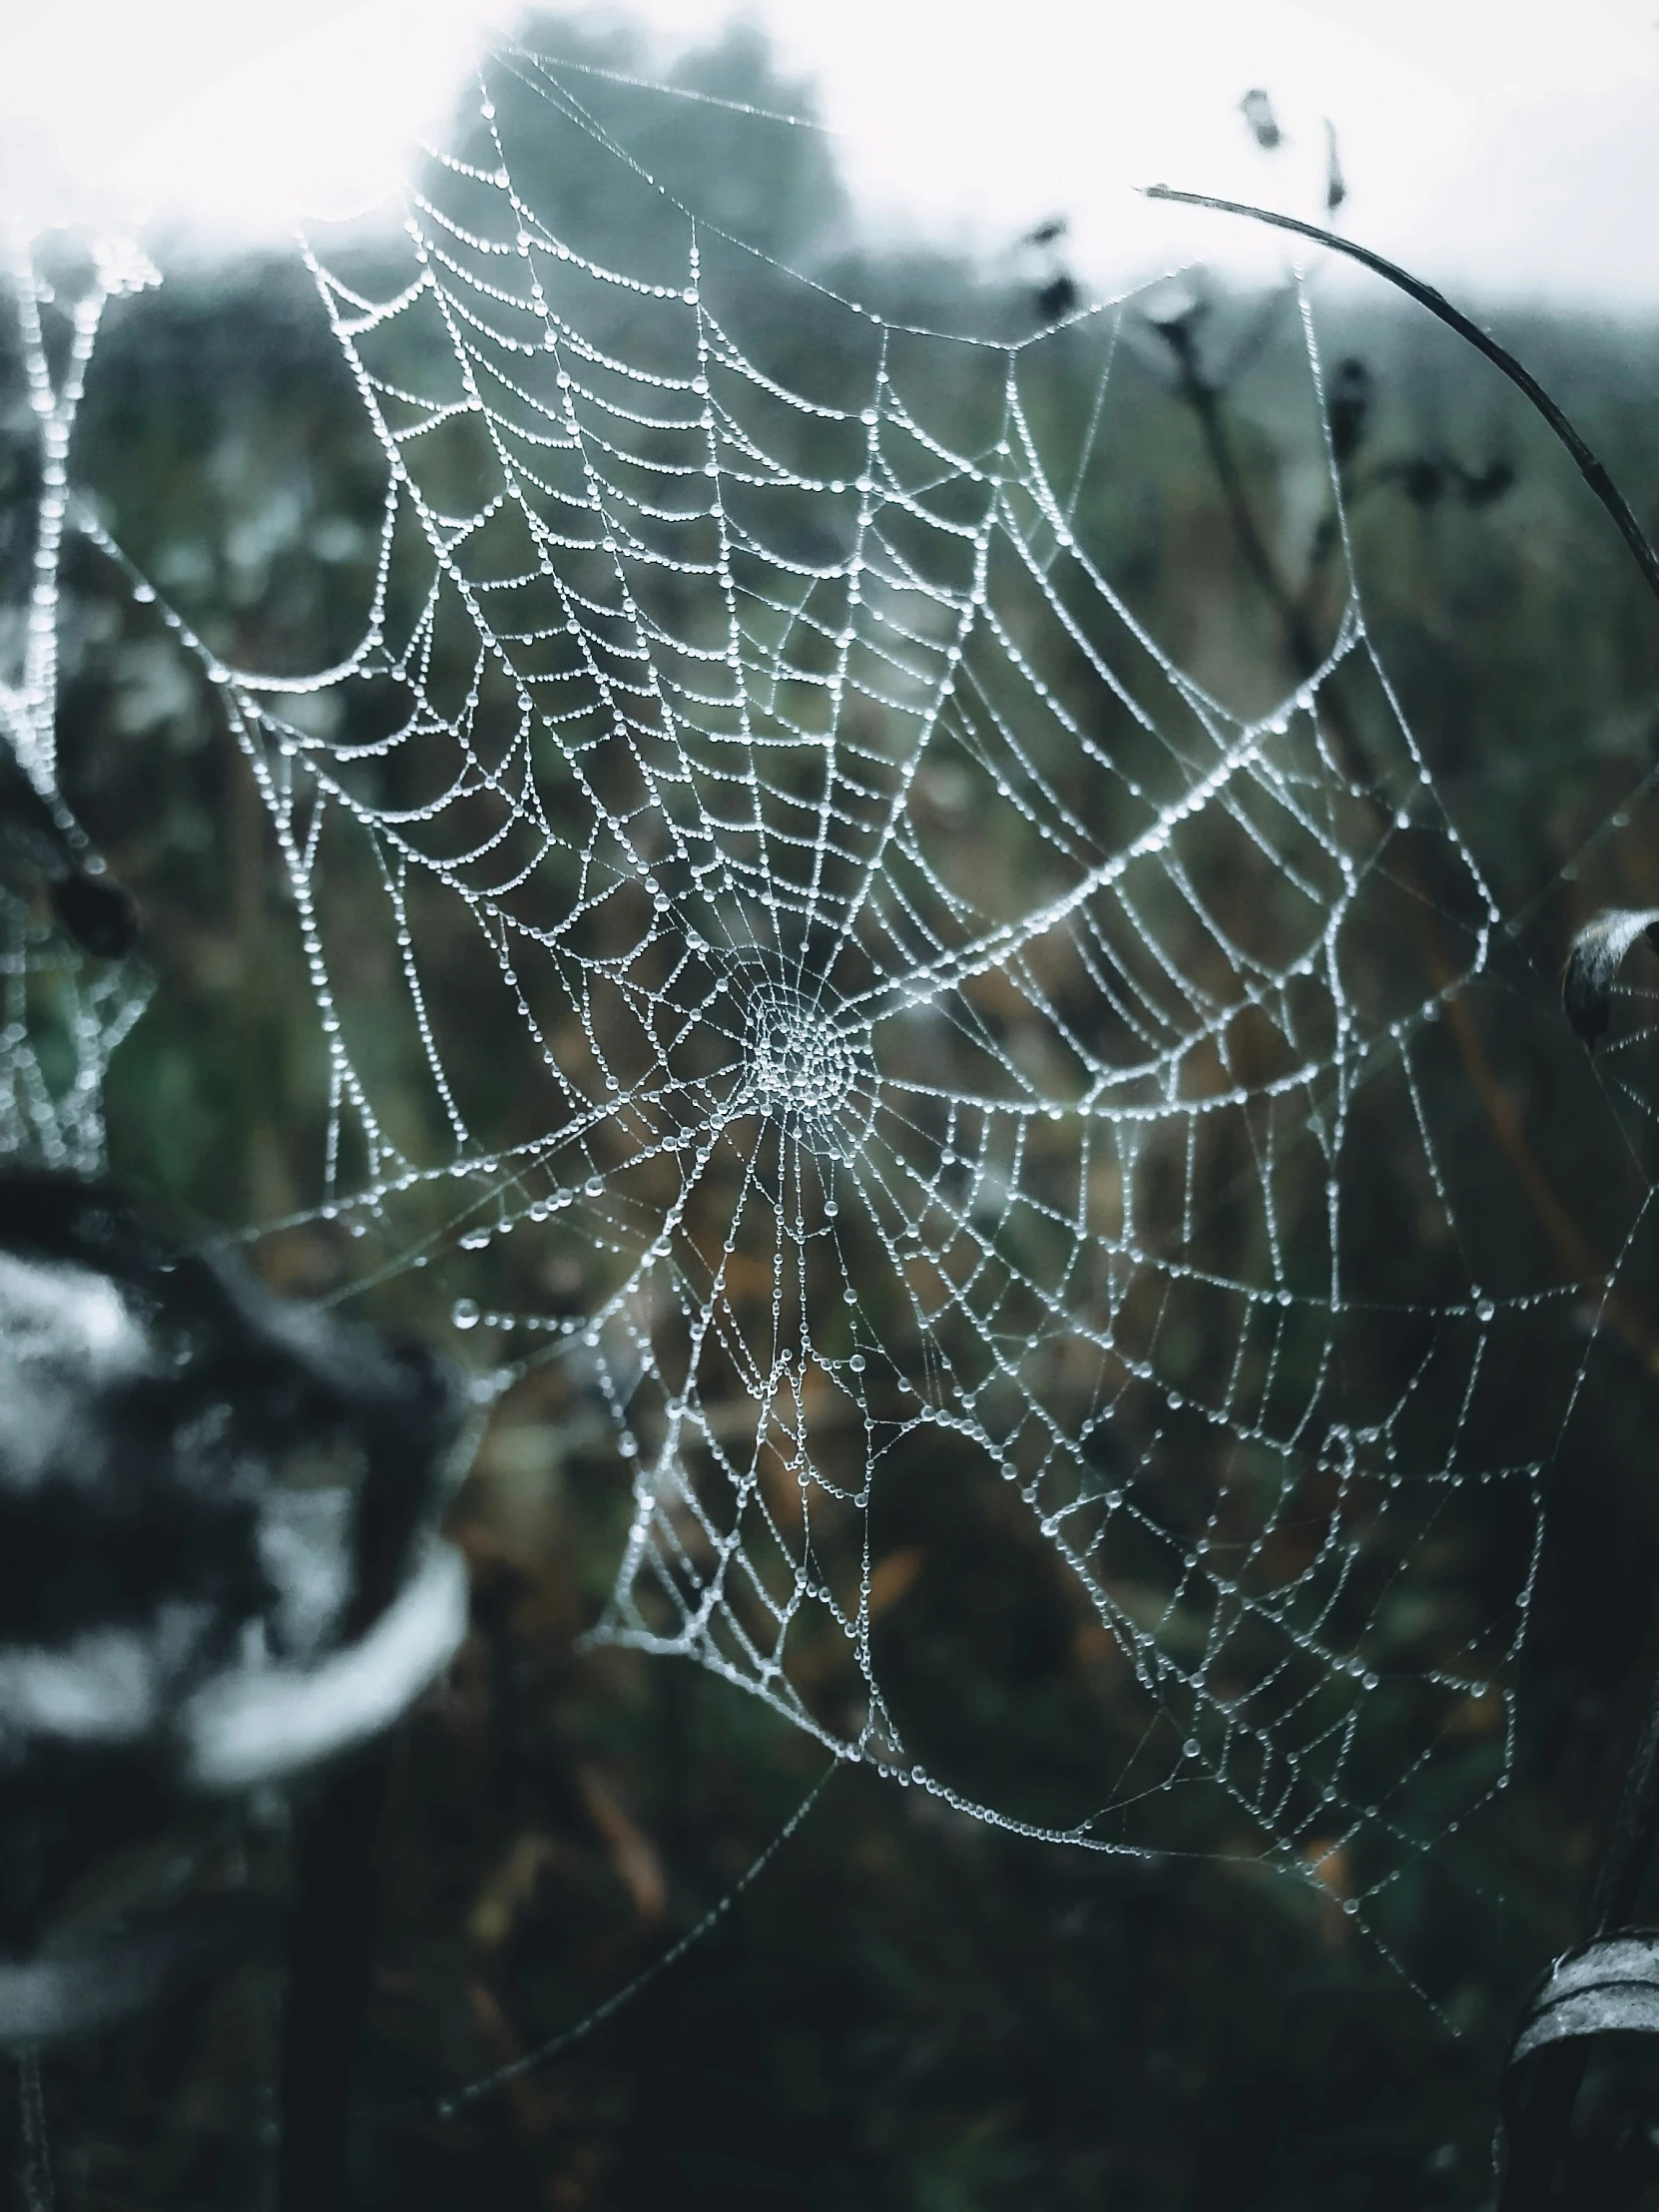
<point x="1589" y="467"/>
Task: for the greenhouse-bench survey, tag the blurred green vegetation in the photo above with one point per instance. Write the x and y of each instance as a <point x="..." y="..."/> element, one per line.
<point x="909" y="2009"/>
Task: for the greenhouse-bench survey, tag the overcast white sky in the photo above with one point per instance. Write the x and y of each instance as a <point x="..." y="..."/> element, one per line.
<point x="1501" y="146"/>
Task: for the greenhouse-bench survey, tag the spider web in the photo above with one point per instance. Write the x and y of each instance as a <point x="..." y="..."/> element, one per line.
<point x="799" y="957"/>
<point x="62" y="1012"/>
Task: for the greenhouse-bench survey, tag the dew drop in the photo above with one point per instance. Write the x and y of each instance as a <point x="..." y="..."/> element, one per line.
<point x="464" y="1313"/>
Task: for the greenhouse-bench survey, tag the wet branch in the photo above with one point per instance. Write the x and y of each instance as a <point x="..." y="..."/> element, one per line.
<point x="1590" y="468"/>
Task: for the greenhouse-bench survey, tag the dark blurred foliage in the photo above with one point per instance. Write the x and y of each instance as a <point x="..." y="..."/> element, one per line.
<point x="907" y="2009"/>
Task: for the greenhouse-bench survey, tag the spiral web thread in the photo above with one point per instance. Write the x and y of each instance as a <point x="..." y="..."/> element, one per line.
<point x="945" y="1029"/>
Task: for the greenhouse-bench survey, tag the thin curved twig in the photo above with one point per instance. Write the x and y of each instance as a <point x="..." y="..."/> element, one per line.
<point x="1589" y="467"/>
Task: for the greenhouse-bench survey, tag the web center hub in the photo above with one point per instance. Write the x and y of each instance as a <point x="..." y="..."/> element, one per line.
<point x="806" y="1071"/>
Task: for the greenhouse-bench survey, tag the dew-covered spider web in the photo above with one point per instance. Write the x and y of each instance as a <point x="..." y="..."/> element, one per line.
<point x="63" y="1011"/>
<point x="797" y="955"/>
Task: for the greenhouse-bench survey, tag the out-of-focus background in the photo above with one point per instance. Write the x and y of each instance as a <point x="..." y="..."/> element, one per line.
<point x="908" y="2007"/>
